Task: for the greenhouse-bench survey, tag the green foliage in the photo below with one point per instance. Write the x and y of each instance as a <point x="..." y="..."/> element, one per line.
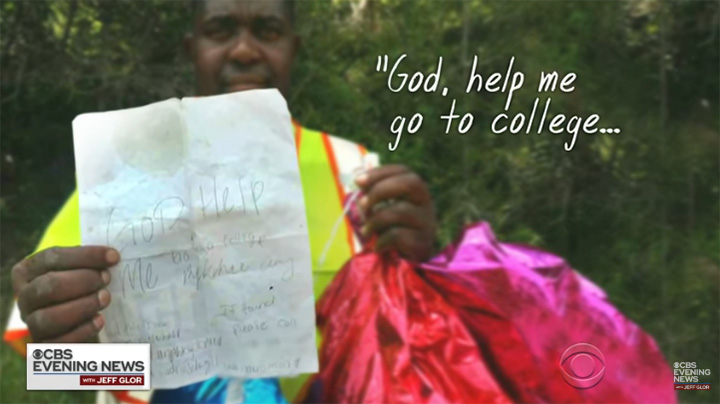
<point x="636" y="212"/>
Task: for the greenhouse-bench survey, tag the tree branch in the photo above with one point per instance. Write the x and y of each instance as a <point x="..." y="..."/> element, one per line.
<point x="68" y="24"/>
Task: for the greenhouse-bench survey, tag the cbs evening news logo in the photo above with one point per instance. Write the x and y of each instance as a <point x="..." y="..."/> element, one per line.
<point x="88" y="367"/>
<point x="59" y="360"/>
<point x="687" y="376"/>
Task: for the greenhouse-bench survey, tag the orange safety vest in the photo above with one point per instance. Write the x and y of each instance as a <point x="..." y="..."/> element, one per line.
<point x="328" y="166"/>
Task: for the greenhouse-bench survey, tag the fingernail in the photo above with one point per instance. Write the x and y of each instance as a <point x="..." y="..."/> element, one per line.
<point x="105" y="275"/>
<point x="104" y="298"/>
<point x="361" y="179"/>
<point x="363" y="203"/>
<point x="112" y="257"/>
<point x="99" y="321"/>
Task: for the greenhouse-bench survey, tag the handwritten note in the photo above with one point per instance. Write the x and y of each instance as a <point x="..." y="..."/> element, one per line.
<point x="203" y="199"/>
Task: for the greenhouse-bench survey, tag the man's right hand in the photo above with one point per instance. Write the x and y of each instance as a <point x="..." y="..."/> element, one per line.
<point x="60" y="292"/>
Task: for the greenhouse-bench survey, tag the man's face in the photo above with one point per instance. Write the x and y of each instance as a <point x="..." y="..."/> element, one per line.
<point x="240" y="45"/>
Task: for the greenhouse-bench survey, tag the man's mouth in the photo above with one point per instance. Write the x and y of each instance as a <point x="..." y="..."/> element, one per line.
<point x="245" y="83"/>
<point x="244" y="87"/>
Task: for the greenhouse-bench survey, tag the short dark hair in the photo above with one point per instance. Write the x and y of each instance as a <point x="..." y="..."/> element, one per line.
<point x="289" y="5"/>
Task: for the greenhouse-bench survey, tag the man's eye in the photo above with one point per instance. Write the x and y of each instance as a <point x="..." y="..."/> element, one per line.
<point x="218" y="33"/>
<point x="271" y="34"/>
<point x="268" y="32"/>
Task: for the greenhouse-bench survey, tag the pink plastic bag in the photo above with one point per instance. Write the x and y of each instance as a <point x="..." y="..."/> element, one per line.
<point x="531" y="314"/>
<point x="484" y="321"/>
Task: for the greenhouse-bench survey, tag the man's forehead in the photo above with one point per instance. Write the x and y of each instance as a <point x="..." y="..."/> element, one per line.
<point x="244" y="8"/>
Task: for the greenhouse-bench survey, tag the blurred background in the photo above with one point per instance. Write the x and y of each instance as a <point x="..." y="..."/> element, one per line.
<point x="636" y="212"/>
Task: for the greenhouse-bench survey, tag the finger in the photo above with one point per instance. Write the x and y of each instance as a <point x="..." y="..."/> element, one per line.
<point x="18" y="277"/>
<point x="58" y="287"/>
<point x="82" y="333"/>
<point x="64" y="258"/>
<point x="371" y="177"/>
<point x="54" y="321"/>
<point x="401" y="214"/>
<point x="408" y="186"/>
<point x="409" y="243"/>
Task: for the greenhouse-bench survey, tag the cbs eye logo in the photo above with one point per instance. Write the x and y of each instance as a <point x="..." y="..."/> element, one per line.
<point x="582" y="366"/>
<point x="52" y="354"/>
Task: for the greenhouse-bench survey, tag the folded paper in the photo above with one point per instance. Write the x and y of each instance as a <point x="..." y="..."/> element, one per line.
<point x="203" y="199"/>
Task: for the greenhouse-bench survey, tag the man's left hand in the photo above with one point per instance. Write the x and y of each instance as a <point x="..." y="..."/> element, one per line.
<point x="398" y="208"/>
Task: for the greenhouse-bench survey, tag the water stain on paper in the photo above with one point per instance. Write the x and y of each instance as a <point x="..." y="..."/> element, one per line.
<point x="159" y="147"/>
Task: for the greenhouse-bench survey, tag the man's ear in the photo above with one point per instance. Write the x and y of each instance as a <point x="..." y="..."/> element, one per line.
<point x="189" y="46"/>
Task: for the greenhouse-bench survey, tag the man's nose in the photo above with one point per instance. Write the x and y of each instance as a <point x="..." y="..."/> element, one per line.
<point x="245" y="49"/>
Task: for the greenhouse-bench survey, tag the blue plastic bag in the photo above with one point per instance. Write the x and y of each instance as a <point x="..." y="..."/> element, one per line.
<point x="215" y="390"/>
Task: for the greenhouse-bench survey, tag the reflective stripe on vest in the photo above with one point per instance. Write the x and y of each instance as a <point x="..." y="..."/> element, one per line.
<point x="328" y="166"/>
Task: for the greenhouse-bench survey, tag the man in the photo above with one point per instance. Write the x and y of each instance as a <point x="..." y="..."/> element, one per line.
<point x="234" y="45"/>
